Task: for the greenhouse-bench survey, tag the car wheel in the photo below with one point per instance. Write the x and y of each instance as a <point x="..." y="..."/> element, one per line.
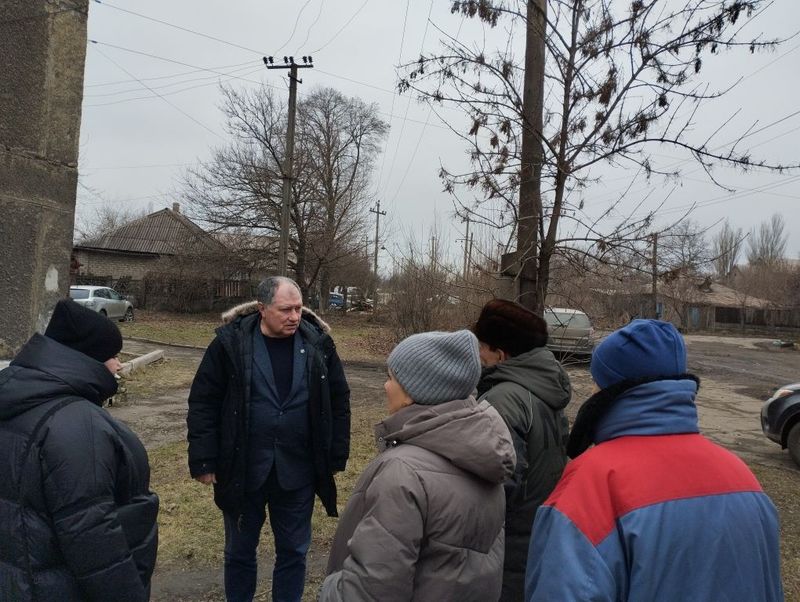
<point x="793" y="443"/>
<point x="104" y="313"/>
<point x="128" y="317"/>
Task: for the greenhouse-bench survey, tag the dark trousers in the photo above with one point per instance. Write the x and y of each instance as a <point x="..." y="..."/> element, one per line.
<point x="290" y="519"/>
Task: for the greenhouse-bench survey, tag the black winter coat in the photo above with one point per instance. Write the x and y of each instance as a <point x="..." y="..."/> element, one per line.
<point x="218" y="417"/>
<point x="77" y="518"/>
<point x="530" y="391"/>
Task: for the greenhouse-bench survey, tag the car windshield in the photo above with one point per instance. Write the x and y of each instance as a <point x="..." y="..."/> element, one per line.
<point x="567" y="319"/>
<point x="79" y="293"/>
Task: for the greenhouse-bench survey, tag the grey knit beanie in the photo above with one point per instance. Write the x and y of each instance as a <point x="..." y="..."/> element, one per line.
<point x="435" y="367"/>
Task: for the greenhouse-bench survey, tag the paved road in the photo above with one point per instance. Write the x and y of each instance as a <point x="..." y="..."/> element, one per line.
<point x="737" y="376"/>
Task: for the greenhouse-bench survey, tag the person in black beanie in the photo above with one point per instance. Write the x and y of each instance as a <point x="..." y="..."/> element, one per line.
<point x="527" y="385"/>
<point x="77" y="517"/>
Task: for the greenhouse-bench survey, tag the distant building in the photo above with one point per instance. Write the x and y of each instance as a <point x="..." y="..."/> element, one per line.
<point x="153" y="243"/>
<point x="701" y="304"/>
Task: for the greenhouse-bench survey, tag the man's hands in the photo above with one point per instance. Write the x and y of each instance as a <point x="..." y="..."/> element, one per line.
<point x="207" y="479"/>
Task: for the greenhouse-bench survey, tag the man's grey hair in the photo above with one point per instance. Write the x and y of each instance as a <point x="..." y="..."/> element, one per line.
<point x="266" y="288"/>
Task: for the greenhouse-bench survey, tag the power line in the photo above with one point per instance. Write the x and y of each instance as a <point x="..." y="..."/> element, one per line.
<point x="427" y="119"/>
<point x="391" y="108"/>
<point x="160" y="58"/>
<point x="342" y="28"/>
<point x="173" y="105"/>
<point x="249" y="68"/>
<point x="217" y="72"/>
<point x="294" y="29"/>
<point x="181" y="74"/>
<point x="172" y="93"/>
<point x="253" y="50"/>
<point x="173" y="25"/>
<point x="310" y="27"/>
<point x="408" y="104"/>
<point x="146" y="166"/>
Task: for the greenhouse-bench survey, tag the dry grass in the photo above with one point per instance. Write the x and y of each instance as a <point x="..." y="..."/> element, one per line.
<point x="192" y="534"/>
<point x="169" y="373"/>
<point x="190" y="525"/>
<point x="172" y="329"/>
<point x="358" y="337"/>
<point x="783" y="485"/>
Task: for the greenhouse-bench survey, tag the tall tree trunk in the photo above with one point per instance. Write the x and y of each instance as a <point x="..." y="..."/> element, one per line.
<point x="529" y="290"/>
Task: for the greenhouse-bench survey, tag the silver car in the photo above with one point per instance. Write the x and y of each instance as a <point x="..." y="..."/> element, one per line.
<point x="570" y="332"/>
<point x="104" y="300"/>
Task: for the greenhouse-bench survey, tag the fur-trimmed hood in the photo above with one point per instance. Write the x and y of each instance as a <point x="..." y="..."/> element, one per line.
<point x="251" y="307"/>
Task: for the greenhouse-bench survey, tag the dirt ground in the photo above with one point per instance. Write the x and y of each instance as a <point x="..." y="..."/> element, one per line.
<point x="737" y="375"/>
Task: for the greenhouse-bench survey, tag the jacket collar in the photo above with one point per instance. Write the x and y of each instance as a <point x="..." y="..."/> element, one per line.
<point x="45" y="369"/>
<point x="656" y="406"/>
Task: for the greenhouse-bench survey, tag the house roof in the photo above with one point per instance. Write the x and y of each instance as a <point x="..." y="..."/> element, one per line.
<point x="164" y="232"/>
<point x="716" y="295"/>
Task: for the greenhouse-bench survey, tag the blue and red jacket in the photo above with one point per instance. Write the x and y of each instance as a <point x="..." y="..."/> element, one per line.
<point x="655" y="511"/>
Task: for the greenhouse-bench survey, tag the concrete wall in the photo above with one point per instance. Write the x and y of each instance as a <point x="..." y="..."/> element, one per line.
<point x="116" y="265"/>
<point x="43" y="47"/>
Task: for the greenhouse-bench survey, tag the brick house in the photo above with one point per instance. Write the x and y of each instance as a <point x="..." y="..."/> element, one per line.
<point x="150" y="244"/>
<point x="162" y="260"/>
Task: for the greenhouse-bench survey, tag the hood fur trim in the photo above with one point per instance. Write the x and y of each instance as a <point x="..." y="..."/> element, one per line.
<point x="251" y="307"/>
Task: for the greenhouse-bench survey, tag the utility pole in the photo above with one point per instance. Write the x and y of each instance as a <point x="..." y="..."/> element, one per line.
<point x="467" y="248"/>
<point x="529" y="289"/>
<point x="288" y="160"/>
<point x="469" y="254"/>
<point x="377" y="211"/>
<point x="433" y="250"/>
<point x="655" y="274"/>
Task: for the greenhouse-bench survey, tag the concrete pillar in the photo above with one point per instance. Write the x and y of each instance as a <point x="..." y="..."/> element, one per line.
<point x="42" y="53"/>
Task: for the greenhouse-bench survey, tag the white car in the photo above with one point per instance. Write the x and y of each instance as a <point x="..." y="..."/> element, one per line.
<point x="104" y="300"/>
<point x="570" y="332"/>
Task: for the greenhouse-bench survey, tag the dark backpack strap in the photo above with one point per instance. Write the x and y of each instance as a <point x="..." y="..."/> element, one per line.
<point x="24" y="458"/>
<point x="35" y="433"/>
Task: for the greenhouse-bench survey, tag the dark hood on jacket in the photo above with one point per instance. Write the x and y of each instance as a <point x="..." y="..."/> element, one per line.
<point x="44" y="370"/>
<point x="538" y="371"/>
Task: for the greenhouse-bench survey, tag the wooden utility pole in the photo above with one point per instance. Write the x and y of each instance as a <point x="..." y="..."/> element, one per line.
<point x="529" y="289"/>
<point x="377" y="211"/>
<point x="655" y="274"/>
<point x="467" y="248"/>
<point x="288" y="160"/>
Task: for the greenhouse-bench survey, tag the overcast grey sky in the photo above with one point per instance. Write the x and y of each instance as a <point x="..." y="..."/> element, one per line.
<point x="137" y="137"/>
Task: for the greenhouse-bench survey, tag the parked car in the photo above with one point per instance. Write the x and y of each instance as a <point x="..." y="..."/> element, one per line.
<point x="103" y="300"/>
<point x="570" y="332"/>
<point x="780" y="419"/>
<point x="335" y="301"/>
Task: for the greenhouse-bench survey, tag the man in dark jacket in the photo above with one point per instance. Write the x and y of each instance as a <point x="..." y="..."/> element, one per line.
<point x="529" y="388"/>
<point x="77" y="518"/>
<point x="269" y="425"/>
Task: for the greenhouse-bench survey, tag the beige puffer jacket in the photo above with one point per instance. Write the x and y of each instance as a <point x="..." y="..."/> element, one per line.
<point x="425" y="521"/>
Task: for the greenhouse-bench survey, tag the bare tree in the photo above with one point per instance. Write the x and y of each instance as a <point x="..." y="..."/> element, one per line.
<point x="337" y="140"/>
<point x="104" y="219"/>
<point x="726" y="247"/>
<point x="620" y="79"/>
<point x="684" y="248"/>
<point x="766" y="245"/>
